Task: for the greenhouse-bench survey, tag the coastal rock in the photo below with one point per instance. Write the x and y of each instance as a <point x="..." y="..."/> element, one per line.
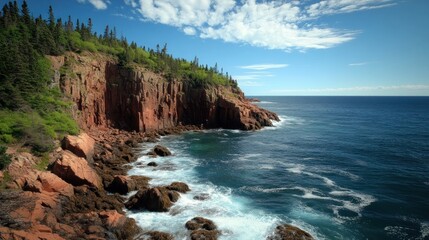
<point x="108" y="95"/>
<point x="161" y="151"/>
<point x="200" y="223"/>
<point x="92" y="199"/>
<point x="202" y="228"/>
<point x="179" y="187"/>
<point x="122" y="185"/>
<point x="289" y="232"/>
<point x="155" y="199"/>
<point x="152" y="164"/>
<point x="142" y="182"/>
<point x="155" y="235"/>
<point x="75" y="170"/>
<point x="81" y="145"/>
<point x="48" y="182"/>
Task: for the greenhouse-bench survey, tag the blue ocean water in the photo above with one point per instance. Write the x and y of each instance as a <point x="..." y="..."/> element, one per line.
<point x="338" y="167"/>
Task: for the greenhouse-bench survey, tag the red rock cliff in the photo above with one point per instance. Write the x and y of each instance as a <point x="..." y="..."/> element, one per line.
<point x="106" y="95"/>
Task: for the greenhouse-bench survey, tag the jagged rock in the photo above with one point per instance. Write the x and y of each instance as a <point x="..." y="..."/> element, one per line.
<point x="81" y="145"/>
<point x="152" y="164"/>
<point x="155" y="199"/>
<point x="289" y="232"/>
<point x="122" y="185"/>
<point x="48" y="182"/>
<point x="76" y="170"/>
<point x="155" y="235"/>
<point x="179" y="186"/>
<point x="161" y="151"/>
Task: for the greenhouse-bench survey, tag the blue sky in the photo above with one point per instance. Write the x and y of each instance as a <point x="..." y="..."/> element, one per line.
<point x="307" y="47"/>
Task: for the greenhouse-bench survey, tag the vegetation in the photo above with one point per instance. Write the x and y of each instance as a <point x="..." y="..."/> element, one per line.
<point x="4" y="158"/>
<point x="30" y="110"/>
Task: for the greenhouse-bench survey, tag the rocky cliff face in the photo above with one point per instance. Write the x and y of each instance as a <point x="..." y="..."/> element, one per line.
<point x="106" y="95"/>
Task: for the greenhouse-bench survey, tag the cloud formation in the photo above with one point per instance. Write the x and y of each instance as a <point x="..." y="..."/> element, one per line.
<point x="260" y="67"/>
<point x="98" y="4"/>
<point x="285" y="25"/>
<point x="410" y="87"/>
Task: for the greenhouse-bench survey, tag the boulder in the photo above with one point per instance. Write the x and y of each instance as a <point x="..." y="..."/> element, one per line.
<point x="52" y="183"/>
<point x="179" y="186"/>
<point x="76" y="170"/>
<point x="289" y="232"/>
<point x="122" y="185"/>
<point x="161" y="151"/>
<point x="112" y="218"/>
<point x="153" y="199"/>
<point x="202" y="229"/>
<point x="81" y="145"/>
<point x="200" y="223"/>
<point x="152" y="164"/>
<point x="142" y="182"/>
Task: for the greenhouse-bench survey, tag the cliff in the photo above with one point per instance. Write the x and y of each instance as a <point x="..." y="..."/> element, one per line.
<point x="107" y="95"/>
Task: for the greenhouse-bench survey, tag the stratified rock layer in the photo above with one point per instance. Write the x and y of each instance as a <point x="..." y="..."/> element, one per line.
<point x="106" y="95"/>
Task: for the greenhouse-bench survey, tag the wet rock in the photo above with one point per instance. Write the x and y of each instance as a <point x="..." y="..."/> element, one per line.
<point x="155" y="235"/>
<point x="76" y="170"/>
<point x="161" y="151"/>
<point x="289" y="232"/>
<point x="153" y="199"/>
<point x="152" y="164"/>
<point x="122" y="185"/>
<point x="174" y="196"/>
<point x="81" y="145"/>
<point x="142" y="182"/>
<point x="203" y="234"/>
<point x="202" y="197"/>
<point x="179" y="186"/>
<point x="200" y="223"/>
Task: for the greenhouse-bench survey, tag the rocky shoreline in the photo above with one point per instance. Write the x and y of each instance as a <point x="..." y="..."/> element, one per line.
<point x="81" y="195"/>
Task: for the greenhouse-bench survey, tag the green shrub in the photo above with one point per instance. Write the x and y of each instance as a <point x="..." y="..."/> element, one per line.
<point x="4" y="158"/>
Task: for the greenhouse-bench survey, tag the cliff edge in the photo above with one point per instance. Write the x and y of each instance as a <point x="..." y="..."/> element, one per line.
<point x="108" y="95"/>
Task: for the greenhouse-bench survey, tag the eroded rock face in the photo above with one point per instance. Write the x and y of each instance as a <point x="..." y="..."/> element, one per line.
<point x="76" y="170"/>
<point x="107" y="95"/>
<point x="81" y="145"/>
<point x="289" y="232"/>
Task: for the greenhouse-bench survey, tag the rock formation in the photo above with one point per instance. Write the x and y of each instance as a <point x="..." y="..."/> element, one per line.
<point x="289" y="232"/>
<point x="106" y="95"/>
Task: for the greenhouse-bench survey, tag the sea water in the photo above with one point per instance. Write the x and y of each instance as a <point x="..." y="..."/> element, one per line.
<point x="337" y="167"/>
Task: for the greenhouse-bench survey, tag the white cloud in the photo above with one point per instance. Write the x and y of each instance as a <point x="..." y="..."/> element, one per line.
<point x="410" y="87"/>
<point x="252" y="77"/>
<point x="189" y="31"/>
<point x="358" y="64"/>
<point x="250" y="84"/>
<point x="329" y="7"/>
<point x="258" y="67"/>
<point x="285" y="25"/>
<point x="123" y="16"/>
<point x="98" y="4"/>
<point x="131" y="3"/>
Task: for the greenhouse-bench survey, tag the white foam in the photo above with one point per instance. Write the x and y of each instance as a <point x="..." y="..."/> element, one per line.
<point x="261" y="189"/>
<point x="361" y="201"/>
<point x="424" y="230"/>
<point x="266" y="102"/>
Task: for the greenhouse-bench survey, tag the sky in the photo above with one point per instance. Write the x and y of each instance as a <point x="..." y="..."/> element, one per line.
<point x="283" y="47"/>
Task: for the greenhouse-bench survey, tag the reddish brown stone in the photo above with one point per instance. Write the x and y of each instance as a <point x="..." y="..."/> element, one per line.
<point x="81" y="145"/>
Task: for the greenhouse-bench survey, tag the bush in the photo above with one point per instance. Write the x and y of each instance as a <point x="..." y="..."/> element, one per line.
<point x="4" y="158"/>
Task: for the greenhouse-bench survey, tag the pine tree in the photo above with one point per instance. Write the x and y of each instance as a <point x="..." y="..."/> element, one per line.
<point x="51" y="19"/>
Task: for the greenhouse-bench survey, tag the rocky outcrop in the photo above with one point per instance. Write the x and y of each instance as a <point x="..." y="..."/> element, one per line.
<point x="81" y="145"/>
<point x="106" y="95"/>
<point x="155" y="235"/>
<point x="76" y="170"/>
<point x="289" y="232"/>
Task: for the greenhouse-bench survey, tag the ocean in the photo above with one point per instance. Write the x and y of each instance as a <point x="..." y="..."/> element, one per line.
<point x="337" y="167"/>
